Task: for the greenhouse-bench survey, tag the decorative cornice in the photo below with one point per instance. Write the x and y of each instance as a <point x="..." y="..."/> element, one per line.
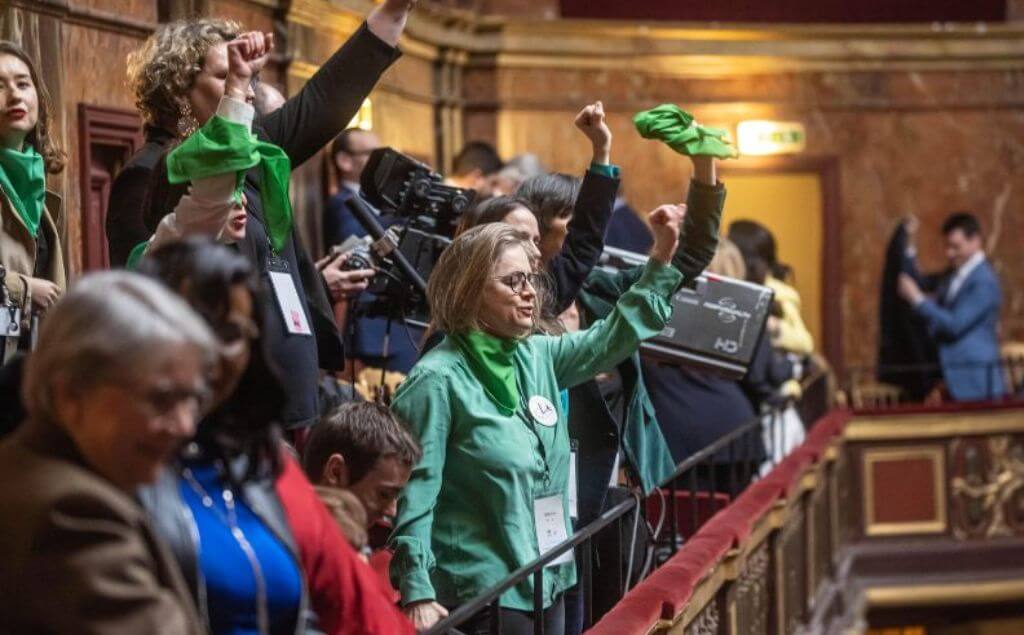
<point x="933" y="426"/>
<point x="85" y="16"/>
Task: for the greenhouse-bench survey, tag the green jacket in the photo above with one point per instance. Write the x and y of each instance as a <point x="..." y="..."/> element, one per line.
<point x="466" y="518"/>
<point x="644" y="446"/>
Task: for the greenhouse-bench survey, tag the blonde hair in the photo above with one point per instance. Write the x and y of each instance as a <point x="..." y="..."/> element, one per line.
<point x="163" y="69"/>
<point x="456" y="287"/>
<point x="728" y="261"/>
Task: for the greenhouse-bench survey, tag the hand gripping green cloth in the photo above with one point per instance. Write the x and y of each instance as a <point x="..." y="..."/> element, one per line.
<point x="675" y="126"/>
<point x="223" y="146"/>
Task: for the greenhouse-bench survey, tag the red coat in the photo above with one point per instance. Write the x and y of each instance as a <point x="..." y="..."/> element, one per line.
<point x="345" y="593"/>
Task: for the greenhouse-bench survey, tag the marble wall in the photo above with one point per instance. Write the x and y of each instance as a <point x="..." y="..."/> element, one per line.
<point x="918" y="119"/>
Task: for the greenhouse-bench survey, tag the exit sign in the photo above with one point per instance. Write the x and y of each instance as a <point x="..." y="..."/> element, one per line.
<point x="771" y="137"/>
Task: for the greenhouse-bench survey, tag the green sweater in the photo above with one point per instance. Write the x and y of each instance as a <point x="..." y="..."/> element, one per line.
<point x="466" y="519"/>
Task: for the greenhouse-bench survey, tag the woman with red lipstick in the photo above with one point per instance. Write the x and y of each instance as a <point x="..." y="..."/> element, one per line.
<point x="30" y="247"/>
<point x="491" y="492"/>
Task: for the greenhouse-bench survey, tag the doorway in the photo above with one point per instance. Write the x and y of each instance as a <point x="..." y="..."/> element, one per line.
<point x="797" y="199"/>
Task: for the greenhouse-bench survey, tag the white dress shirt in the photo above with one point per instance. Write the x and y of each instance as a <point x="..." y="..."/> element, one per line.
<point x="962" y="272"/>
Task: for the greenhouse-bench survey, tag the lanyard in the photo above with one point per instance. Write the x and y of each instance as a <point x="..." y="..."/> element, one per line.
<point x="524" y="414"/>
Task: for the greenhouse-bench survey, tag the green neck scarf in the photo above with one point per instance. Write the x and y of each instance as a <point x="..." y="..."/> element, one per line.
<point x="491" y="360"/>
<point x="223" y="146"/>
<point x="676" y="128"/>
<point x="23" y="179"/>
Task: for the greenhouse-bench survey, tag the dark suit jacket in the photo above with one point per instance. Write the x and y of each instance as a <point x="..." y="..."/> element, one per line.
<point x="78" y="554"/>
<point x="128" y="195"/>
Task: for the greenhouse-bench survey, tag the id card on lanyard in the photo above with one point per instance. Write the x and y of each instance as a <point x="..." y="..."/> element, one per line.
<point x="287" y="297"/>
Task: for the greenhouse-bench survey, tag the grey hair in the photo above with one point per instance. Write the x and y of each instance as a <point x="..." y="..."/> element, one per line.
<point x="105" y="330"/>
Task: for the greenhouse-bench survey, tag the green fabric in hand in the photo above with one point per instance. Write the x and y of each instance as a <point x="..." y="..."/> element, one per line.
<point x="223" y="146"/>
<point x="677" y="129"/>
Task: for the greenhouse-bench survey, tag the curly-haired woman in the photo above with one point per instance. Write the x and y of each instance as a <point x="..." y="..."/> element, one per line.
<point x="30" y="247"/>
<point x="180" y="83"/>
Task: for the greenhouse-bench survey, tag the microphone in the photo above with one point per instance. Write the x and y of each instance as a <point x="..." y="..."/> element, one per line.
<point x="383" y="243"/>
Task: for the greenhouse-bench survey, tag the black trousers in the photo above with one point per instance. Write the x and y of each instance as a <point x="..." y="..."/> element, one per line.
<point x="516" y="622"/>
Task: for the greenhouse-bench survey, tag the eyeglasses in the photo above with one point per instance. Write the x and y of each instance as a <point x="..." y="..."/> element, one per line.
<point x="517" y="281"/>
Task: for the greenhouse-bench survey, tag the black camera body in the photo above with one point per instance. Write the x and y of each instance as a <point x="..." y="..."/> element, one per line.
<point x="400" y="185"/>
<point x="425" y="213"/>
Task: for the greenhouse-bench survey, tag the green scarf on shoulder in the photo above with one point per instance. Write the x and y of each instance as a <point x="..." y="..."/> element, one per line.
<point x="223" y="146"/>
<point x="677" y="129"/>
<point x="23" y="179"/>
<point x="492" y="362"/>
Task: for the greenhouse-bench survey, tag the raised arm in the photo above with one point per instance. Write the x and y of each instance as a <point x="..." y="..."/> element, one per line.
<point x="329" y="100"/>
<point x="213" y="156"/>
<point x="640" y="313"/>
<point x="421" y="401"/>
<point x="591" y="213"/>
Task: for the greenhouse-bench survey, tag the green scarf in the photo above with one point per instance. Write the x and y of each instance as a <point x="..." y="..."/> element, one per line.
<point x="223" y="146"/>
<point x="491" y="360"/>
<point x="23" y="179"/>
<point x="674" y="126"/>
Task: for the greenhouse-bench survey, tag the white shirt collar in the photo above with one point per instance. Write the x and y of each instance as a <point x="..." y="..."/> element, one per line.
<point x="972" y="263"/>
<point x="351" y="185"/>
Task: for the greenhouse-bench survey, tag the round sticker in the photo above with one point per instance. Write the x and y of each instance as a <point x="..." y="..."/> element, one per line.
<point x="543" y="411"/>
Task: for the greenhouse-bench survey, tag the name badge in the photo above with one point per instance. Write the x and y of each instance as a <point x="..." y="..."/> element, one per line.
<point x="288" y="301"/>
<point x="549" y="517"/>
<point x="543" y="411"/>
<point x="10" y="322"/>
<point x="573" y="488"/>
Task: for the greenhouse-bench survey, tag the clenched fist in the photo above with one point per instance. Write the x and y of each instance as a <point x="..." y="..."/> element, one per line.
<point x="591" y="123"/>
<point x="666" y="221"/>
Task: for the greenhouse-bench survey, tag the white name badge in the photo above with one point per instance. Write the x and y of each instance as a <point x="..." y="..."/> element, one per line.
<point x="288" y="302"/>
<point x="543" y="411"/>
<point x="549" y="516"/>
<point x="573" y="494"/>
<point x="10" y="322"/>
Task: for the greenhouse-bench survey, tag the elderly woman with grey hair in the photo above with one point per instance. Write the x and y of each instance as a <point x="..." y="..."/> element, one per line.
<point x="116" y="384"/>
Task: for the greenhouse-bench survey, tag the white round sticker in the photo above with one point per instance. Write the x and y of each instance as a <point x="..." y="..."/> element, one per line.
<point x="543" y="411"/>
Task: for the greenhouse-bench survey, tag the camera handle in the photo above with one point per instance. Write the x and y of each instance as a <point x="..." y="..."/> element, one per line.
<point x="369" y="222"/>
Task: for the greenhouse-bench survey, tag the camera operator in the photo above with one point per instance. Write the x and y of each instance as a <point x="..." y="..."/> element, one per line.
<point x="305" y="338"/>
<point x="349" y="152"/>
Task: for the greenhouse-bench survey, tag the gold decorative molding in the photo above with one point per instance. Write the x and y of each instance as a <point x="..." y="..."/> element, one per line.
<point x="957" y="593"/>
<point x="989" y="492"/>
<point x="936" y="455"/>
<point x="933" y="426"/>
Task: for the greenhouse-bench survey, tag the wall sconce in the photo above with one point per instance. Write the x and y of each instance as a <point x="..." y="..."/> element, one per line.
<point x="771" y="137"/>
<point x="364" y="118"/>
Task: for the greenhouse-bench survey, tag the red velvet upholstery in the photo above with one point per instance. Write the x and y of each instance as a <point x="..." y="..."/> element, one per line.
<point x="665" y="593"/>
<point x="706" y="507"/>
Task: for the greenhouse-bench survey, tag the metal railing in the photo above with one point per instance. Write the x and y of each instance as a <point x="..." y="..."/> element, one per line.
<point x="688" y="476"/>
<point x="895" y="384"/>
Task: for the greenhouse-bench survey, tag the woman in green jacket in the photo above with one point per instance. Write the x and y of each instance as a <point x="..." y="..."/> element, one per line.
<point x="491" y="492"/>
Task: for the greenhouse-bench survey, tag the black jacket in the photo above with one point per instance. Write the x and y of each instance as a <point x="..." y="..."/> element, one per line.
<point x="585" y="240"/>
<point x="903" y="338"/>
<point x="173" y="521"/>
<point x="128" y="195"/>
<point x="303" y="125"/>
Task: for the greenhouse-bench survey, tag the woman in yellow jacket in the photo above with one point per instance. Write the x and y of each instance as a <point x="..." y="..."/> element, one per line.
<point x="30" y="247"/>
<point x="757" y="245"/>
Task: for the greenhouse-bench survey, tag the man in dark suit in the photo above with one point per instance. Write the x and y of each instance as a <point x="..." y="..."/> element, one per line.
<point x="350" y="150"/>
<point x="963" y="313"/>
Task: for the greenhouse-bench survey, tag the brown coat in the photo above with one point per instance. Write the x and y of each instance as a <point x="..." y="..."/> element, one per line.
<point x="78" y="555"/>
<point x="18" y="249"/>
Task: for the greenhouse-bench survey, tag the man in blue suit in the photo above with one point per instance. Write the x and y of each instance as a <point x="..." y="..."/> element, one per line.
<point x="963" y="313"/>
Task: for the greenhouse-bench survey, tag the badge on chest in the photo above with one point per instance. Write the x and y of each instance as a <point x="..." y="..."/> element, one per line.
<point x="543" y="411"/>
